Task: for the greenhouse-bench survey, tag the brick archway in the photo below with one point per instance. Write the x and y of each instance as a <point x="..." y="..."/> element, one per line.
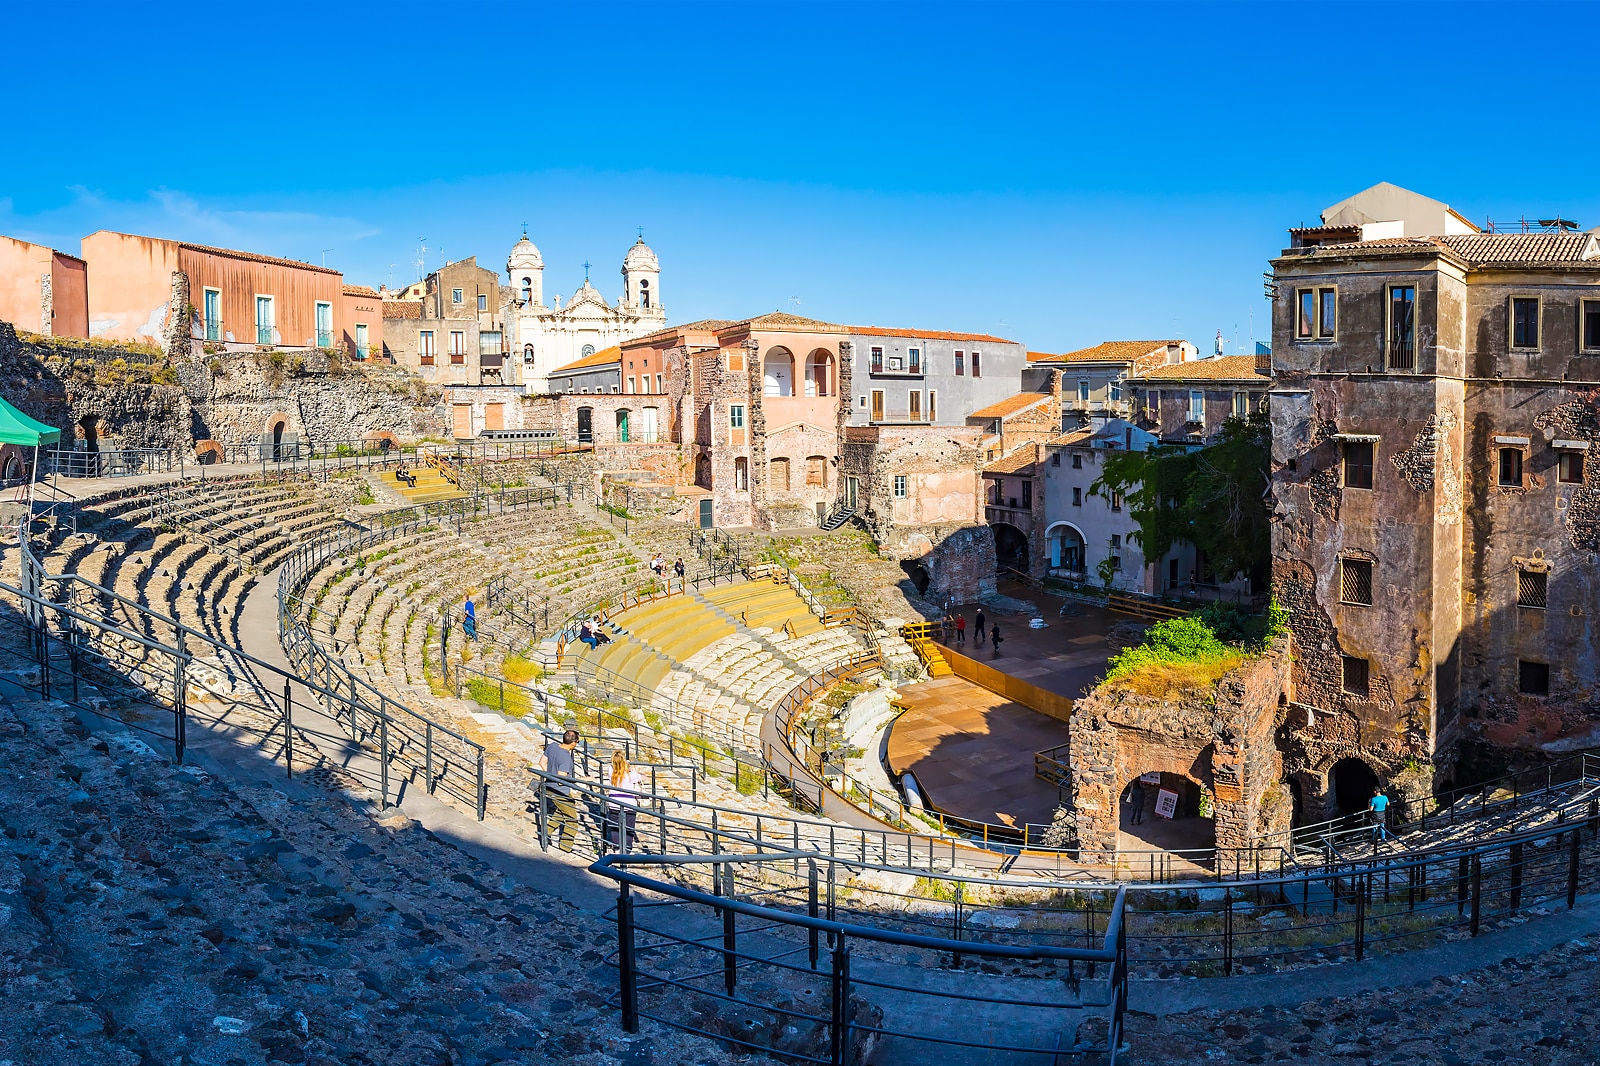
<point x="208" y="452"/>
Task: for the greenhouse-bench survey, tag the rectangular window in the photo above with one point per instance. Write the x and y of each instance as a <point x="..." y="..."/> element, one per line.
<point x="1511" y="467"/>
<point x="324" y="319"/>
<point x="933" y="406"/>
<point x="629" y="383"/>
<point x="458" y="346"/>
<point x="899" y="486"/>
<point x="1116" y="563"/>
<point x="1591" y="325"/>
<point x="1533" y="679"/>
<point x="1077" y="496"/>
<point x="736" y="416"/>
<point x="914" y="360"/>
<point x="1116" y="540"/>
<point x="1027" y="495"/>
<point x="1241" y="405"/>
<point x="1327" y="313"/>
<point x="455" y="296"/>
<point x="266" y="320"/>
<point x="914" y="405"/>
<point x="961" y="363"/>
<point x="213" y="313"/>
<point x="877" y="361"/>
<point x="1524" y="322"/>
<point x="1357" y="676"/>
<point x="1305" y="327"/>
<point x="1116" y="501"/>
<point x="977" y="367"/>
<point x="1115" y="391"/>
<point x="1569" y="467"/>
<point x="425" y="349"/>
<point x="1533" y="589"/>
<point x="1083" y="392"/>
<point x="1358" y="457"/>
<point x="1402" y="352"/>
<point x="1055" y="458"/>
<point x="1077" y="461"/>
<point x="1197" y="406"/>
<point x="483" y="302"/>
<point x="877" y="405"/>
<point x="1355" y="582"/>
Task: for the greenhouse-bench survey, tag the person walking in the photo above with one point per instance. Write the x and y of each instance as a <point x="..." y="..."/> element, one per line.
<point x="1378" y="812"/>
<point x="560" y="804"/>
<point x="961" y="630"/>
<point x="469" y="619"/>
<point x="1136" y="802"/>
<point x="622" y="803"/>
<point x="994" y="641"/>
<point x="978" y="625"/>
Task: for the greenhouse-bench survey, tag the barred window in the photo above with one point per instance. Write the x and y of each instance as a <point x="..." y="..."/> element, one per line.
<point x="1357" y="676"/>
<point x="1533" y="588"/>
<point x="1355" y="582"/>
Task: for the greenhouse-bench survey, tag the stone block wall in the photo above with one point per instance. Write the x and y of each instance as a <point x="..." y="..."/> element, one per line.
<point x="1222" y="741"/>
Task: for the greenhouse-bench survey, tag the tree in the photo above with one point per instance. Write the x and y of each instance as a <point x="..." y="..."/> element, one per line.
<point x="1213" y="497"/>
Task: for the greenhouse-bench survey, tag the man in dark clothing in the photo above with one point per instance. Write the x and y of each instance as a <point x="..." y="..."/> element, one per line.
<point x="978" y="628"/>
<point x="561" y="806"/>
<point x="994" y="641"/>
<point x="1136" y="803"/>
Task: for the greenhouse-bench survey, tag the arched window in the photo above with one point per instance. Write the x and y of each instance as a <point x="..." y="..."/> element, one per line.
<point x="778" y="474"/>
<point x="644" y="292"/>
<point x="527" y="290"/>
<point x="622" y="425"/>
<point x="778" y="373"/>
<point x="741" y="474"/>
<point x="586" y="351"/>
<point x="819" y="373"/>
<point x="527" y="355"/>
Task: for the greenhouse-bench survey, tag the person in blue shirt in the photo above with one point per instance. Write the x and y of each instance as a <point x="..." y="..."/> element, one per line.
<point x="1379" y="811"/>
<point x="469" y="621"/>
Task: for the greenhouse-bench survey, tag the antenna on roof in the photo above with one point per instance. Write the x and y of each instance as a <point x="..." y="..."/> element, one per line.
<point x="794" y="304"/>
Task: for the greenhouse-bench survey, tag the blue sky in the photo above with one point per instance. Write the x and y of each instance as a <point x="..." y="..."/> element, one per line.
<point x="1058" y="174"/>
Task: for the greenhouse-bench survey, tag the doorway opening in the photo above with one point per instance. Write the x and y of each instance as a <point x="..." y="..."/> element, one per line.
<point x="1353" y="782"/>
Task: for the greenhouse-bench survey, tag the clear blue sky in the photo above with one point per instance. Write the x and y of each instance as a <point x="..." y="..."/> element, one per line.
<point x="1059" y="174"/>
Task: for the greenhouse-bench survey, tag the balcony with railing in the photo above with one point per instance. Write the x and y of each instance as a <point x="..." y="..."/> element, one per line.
<point x="1402" y="354"/>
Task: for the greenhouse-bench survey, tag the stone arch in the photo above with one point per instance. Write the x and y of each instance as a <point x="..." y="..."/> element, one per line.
<point x="819" y="375"/>
<point x="624" y="428"/>
<point x="381" y="439"/>
<point x="777" y="372"/>
<point x="1066" y="546"/>
<point x="276" y="425"/>
<point x="1351" y="782"/>
<point x="208" y="452"/>
<point x="1010" y="546"/>
<point x="89" y="432"/>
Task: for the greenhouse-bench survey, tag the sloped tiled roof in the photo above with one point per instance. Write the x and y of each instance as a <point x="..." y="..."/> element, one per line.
<point x="1019" y="462"/>
<point x="927" y="334"/>
<point x="603" y="357"/>
<point x="1218" y="368"/>
<point x="359" y="290"/>
<point x="1010" y="405"/>
<point x="782" y="320"/>
<point x="1104" y="352"/>
<point x="1066" y="440"/>
<point x="234" y="253"/>
<point x="402" y="309"/>
<point x="1493" y="248"/>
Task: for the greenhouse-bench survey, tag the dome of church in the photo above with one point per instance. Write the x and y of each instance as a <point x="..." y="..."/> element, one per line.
<point x="640" y="257"/>
<point x="524" y="255"/>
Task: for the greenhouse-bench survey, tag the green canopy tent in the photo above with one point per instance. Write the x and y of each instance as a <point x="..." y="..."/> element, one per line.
<point x="18" y="428"/>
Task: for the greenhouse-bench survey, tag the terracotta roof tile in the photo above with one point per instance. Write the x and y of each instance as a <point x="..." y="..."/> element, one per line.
<point x="1104" y="352"/>
<point x="234" y="253"/>
<point x="359" y="290"/>
<point x="1490" y="248"/>
<point x="604" y="356"/>
<point x="1019" y="462"/>
<point x="1010" y="405"/>
<point x="1077" y="436"/>
<point x="402" y="309"/>
<point x="927" y="334"/>
<point x="1217" y="368"/>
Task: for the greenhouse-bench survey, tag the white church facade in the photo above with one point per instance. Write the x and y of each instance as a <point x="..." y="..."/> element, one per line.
<point x="546" y="336"/>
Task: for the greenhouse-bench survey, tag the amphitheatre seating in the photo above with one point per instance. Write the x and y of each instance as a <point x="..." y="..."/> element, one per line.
<point x="423" y="484"/>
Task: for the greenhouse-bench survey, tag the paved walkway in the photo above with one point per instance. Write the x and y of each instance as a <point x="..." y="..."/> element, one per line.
<point x="1066" y="658"/>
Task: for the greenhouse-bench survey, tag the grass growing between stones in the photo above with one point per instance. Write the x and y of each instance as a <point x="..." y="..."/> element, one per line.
<point x="1183" y="655"/>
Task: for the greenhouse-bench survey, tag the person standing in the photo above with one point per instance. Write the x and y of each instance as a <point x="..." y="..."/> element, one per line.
<point x="622" y="803"/>
<point x="961" y="630"/>
<point x="1378" y="812"/>
<point x="1136" y="802"/>
<point x="994" y="641"/>
<point x="469" y="619"/>
<point x="978" y="625"/>
<point x="561" y="805"/>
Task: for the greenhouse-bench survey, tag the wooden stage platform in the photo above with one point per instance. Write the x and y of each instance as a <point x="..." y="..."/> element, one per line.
<point x="972" y="751"/>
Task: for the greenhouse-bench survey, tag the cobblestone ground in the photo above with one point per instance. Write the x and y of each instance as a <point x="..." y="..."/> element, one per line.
<point x="153" y="914"/>
<point x="1537" y="1009"/>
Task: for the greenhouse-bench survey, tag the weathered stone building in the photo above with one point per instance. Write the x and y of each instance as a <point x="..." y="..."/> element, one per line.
<point x="1094" y="380"/>
<point x="1435" y="408"/>
<point x="448" y="328"/>
<point x="1187" y="403"/>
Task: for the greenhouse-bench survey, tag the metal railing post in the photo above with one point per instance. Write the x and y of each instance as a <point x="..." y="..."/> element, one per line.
<point x="383" y="754"/>
<point x="180" y="698"/>
<point x="288" y="730"/>
<point x="482" y="791"/>
<point x="1227" y="933"/>
<point x="730" y="957"/>
<point x="1516" y="877"/>
<point x="1361" y="885"/>
<point x="839" y="1024"/>
<point x="626" y="965"/>
<point x="811" y="905"/>
<point x="1477" y="891"/>
<point x="1572" y="869"/>
<point x="427" y="759"/>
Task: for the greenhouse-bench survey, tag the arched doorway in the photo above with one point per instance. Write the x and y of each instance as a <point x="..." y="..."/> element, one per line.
<point x="819" y="373"/>
<point x="777" y="373"/>
<point x="1165" y="811"/>
<point x="1010" y="547"/>
<point x="89" y="430"/>
<point x="1066" y="547"/>
<point x="622" y="425"/>
<point x="918" y="575"/>
<point x="585" y="425"/>
<point x="1353" y="783"/>
<point x="277" y="441"/>
<point x="702" y="471"/>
